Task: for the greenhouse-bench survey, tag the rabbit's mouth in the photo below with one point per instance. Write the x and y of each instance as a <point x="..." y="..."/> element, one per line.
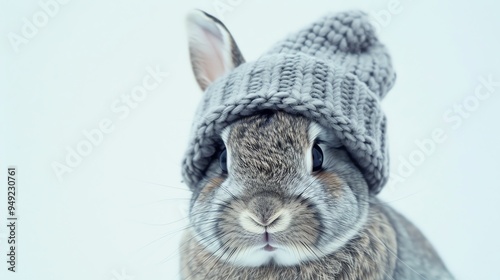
<point x="269" y="248"/>
<point x="267" y="239"/>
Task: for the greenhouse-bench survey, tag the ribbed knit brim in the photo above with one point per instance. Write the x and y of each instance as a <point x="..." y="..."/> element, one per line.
<point x="334" y="72"/>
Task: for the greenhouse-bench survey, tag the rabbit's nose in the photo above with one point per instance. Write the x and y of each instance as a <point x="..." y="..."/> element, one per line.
<point x="266" y="221"/>
<point x="277" y="222"/>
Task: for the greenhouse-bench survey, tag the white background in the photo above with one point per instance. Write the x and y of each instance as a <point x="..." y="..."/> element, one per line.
<point x="122" y="208"/>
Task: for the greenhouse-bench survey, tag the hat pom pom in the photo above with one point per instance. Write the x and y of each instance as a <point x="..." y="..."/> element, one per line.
<point x="349" y="32"/>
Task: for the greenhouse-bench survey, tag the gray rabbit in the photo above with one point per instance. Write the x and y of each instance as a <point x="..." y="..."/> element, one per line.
<point x="286" y="157"/>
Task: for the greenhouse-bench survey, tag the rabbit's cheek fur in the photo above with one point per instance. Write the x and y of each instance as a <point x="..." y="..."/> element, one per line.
<point x="210" y="186"/>
<point x="341" y="216"/>
<point x="332" y="183"/>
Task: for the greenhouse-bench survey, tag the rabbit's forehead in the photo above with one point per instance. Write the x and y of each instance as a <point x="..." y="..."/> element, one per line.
<point x="268" y="145"/>
<point x="270" y="131"/>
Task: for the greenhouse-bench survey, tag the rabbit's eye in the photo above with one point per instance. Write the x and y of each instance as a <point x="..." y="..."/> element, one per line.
<point x="223" y="160"/>
<point x="317" y="157"/>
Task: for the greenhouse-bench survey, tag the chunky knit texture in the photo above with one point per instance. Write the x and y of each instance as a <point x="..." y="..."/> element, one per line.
<point x="334" y="72"/>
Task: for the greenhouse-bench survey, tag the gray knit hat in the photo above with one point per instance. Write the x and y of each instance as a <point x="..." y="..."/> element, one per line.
<point x="334" y="72"/>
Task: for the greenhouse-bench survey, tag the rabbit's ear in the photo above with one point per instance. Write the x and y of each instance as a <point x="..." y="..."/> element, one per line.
<point x="212" y="49"/>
